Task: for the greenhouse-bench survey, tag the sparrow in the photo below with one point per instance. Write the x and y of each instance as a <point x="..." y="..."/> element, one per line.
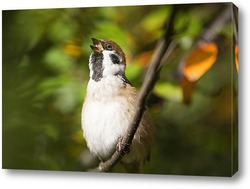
<point x="109" y="107"/>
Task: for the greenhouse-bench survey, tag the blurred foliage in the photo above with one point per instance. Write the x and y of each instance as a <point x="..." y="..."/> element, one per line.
<point x="45" y="74"/>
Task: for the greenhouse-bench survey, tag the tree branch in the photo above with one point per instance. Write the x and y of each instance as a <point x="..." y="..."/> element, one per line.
<point x="211" y="32"/>
<point x="148" y="84"/>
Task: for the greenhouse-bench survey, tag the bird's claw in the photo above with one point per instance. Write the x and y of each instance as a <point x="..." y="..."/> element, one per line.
<point x="120" y="147"/>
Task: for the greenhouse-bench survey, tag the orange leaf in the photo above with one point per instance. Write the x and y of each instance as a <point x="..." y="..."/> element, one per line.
<point x="236" y="57"/>
<point x="200" y="60"/>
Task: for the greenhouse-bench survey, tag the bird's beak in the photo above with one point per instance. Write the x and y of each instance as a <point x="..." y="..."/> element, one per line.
<point x="97" y="45"/>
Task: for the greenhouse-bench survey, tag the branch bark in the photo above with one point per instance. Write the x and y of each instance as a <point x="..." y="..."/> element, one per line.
<point x="148" y="84"/>
<point x="211" y="32"/>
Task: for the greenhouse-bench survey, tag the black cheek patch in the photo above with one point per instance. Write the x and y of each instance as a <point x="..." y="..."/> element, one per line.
<point x="115" y="59"/>
<point x="96" y="63"/>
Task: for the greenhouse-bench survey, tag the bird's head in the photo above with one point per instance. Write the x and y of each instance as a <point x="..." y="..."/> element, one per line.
<point x="107" y="59"/>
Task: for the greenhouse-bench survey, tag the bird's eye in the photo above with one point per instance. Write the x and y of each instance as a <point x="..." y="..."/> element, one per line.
<point x="108" y="47"/>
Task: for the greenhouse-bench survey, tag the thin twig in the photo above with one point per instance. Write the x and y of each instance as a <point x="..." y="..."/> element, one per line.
<point x="211" y="32"/>
<point x="148" y="84"/>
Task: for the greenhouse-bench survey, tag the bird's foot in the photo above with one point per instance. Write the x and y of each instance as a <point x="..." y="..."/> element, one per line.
<point x="120" y="147"/>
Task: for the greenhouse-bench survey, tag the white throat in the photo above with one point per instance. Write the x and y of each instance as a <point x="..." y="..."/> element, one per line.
<point x="107" y="88"/>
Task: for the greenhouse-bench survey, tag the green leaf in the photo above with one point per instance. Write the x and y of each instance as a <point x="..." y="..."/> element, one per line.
<point x="155" y="20"/>
<point x="168" y="91"/>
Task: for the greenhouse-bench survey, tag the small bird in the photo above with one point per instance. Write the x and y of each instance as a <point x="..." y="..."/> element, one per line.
<point x="109" y="107"/>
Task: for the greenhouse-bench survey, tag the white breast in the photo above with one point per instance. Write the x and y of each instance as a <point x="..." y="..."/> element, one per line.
<point x="105" y="115"/>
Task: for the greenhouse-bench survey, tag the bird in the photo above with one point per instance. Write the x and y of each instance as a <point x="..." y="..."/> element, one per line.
<point x="109" y="107"/>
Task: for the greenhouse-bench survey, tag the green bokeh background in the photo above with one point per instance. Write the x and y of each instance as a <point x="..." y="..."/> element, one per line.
<point x="45" y="73"/>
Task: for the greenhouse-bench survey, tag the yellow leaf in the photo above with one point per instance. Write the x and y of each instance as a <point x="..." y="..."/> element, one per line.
<point x="72" y="49"/>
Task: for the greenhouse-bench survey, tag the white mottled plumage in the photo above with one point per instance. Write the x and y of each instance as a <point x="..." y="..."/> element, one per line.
<point x="108" y="109"/>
